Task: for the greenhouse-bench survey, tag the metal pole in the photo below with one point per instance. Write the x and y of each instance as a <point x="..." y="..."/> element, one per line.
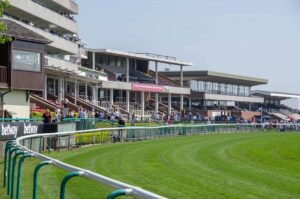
<point x="7" y="146"/>
<point x="11" y="150"/>
<point x="17" y="154"/>
<point x="120" y="192"/>
<point x="20" y="173"/>
<point x="65" y="181"/>
<point x="35" y="176"/>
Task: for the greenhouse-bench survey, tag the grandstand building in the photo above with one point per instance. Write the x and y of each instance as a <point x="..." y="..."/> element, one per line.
<point x="219" y="94"/>
<point x="279" y="105"/>
<point x="63" y="74"/>
<point x="132" y="86"/>
<point x="21" y="69"/>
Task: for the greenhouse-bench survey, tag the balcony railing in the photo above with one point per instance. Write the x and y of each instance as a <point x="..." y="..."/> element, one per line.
<point x="41" y="12"/>
<point x="58" y="42"/>
<point x="60" y="63"/>
<point x="3" y="74"/>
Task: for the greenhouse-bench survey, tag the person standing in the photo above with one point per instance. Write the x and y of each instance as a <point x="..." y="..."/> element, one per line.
<point x="121" y="124"/>
<point x="47" y="117"/>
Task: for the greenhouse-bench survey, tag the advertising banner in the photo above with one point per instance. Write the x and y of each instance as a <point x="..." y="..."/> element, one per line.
<point x="147" y="88"/>
<point x="10" y="130"/>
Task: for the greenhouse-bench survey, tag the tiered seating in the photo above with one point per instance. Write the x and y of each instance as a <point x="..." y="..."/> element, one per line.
<point x="117" y="73"/>
<point x="279" y="116"/>
<point x="164" y="81"/>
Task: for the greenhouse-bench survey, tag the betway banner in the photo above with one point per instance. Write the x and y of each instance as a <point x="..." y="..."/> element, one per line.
<point x="10" y="130"/>
<point x="147" y="88"/>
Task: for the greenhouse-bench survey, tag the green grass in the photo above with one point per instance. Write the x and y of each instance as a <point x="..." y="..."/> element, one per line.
<point x="244" y="165"/>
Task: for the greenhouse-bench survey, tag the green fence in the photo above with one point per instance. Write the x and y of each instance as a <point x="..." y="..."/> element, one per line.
<point x="16" y="152"/>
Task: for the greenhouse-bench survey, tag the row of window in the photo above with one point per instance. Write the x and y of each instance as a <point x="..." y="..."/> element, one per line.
<point x="225" y="89"/>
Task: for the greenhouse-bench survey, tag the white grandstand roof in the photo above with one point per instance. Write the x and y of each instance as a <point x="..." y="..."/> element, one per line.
<point x="275" y="94"/>
<point x="144" y="56"/>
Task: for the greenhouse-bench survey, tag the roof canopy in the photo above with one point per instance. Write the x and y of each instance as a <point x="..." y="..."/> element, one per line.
<point x="21" y="33"/>
<point x="271" y="95"/>
<point x="211" y="76"/>
<point x="143" y="56"/>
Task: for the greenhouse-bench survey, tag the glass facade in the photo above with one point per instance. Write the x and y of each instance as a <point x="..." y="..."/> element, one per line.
<point x="217" y="88"/>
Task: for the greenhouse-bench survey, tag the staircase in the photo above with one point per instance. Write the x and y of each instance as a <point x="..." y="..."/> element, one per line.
<point x="52" y="98"/>
<point x="84" y="104"/>
<point x="41" y="104"/>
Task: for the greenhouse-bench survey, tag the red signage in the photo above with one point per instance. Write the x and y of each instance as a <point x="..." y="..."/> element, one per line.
<point x="147" y="88"/>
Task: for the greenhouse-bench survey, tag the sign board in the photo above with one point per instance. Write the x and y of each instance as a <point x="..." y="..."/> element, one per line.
<point x="9" y="130"/>
<point x="26" y="61"/>
<point x="147" y="88"/>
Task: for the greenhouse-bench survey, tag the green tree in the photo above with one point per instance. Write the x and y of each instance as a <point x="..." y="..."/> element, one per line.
<point x="3" y="39"/>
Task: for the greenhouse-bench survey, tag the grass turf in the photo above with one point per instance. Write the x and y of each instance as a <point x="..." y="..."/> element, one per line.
<point x="242" y="165"/>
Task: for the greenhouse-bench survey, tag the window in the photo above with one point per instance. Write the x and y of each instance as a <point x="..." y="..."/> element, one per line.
<point x="223" y="88"/>
<point x="26" y="61"/>
<point x="235" y="90"/>
<point x="216" y="88"/>
<point x="208" y="87"/>
<point x="201" y="86"/>
<point x="242" y="90"/>
<point x="229" y="89"/>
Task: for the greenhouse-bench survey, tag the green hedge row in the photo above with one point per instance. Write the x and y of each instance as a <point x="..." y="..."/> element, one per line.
<point x="91" y="138"/>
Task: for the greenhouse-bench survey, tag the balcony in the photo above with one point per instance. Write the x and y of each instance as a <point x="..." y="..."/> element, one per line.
<point x="41" y="16"/>
<point x="60" y="43"/>
<point x="60" y="64"/>
<point x="67" y="6"/>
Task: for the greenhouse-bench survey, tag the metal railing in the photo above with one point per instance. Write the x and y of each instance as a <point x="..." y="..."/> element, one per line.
<point x="33" y="145"/>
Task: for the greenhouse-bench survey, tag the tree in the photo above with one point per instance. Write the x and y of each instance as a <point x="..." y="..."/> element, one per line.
<point x="3" y="39"/>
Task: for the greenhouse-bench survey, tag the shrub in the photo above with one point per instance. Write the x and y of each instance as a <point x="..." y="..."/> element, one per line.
<point x="93" y="137"/>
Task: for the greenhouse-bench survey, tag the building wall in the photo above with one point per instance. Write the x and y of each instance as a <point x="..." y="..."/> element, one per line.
<point x="15" y="103"/>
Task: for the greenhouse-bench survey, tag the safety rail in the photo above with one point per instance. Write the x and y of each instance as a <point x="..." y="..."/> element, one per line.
<point x="32" y="146"/>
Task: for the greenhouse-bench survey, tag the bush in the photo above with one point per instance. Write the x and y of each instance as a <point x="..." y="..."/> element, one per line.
<point x="88" y="138"/>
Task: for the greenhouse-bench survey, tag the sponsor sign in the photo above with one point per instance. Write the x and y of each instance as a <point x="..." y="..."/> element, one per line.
<point x="25" y="60"/>
<point x="9" y="130"/>
<point x="147" y="88"/>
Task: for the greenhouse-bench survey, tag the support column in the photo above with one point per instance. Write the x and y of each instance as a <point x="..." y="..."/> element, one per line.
<point x="60" y="90"/>
<point x="127" y="69"/>
<point x="142" y="104"/>
<point x="75" y="92"/>
<point x="54" y="86"/>
<point x="45" y="89"/>
<point x="94" y="95"/>
<point x="169" y="103"/>
<point x="156" y="102"/>
<point x="128" y="100"/>
<point x="63" y="88"/>
<point x="181" y="85"/>
<point x="111" y="98"/>
<point x="190" y="104"/>
<point x="156" y="83"/>
<point x="93" y="61"/>
<point x="86" y="92"/>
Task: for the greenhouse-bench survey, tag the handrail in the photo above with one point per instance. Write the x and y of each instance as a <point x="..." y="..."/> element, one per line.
<point x="136" y="191"/>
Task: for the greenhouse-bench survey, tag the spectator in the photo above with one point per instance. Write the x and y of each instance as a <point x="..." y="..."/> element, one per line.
<point x="66" y="103"/>
<point x="57" y="116"/>
<point x="47" y="117"/>
<point x="121" y="124"/>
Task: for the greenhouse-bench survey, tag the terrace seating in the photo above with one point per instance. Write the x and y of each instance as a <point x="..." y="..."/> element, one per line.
<point x="118" y="73"/>
<point x="163" y="80"/>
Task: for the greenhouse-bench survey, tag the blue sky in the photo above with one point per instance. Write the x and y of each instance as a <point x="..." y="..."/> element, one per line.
<point x="258" y="38"/>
